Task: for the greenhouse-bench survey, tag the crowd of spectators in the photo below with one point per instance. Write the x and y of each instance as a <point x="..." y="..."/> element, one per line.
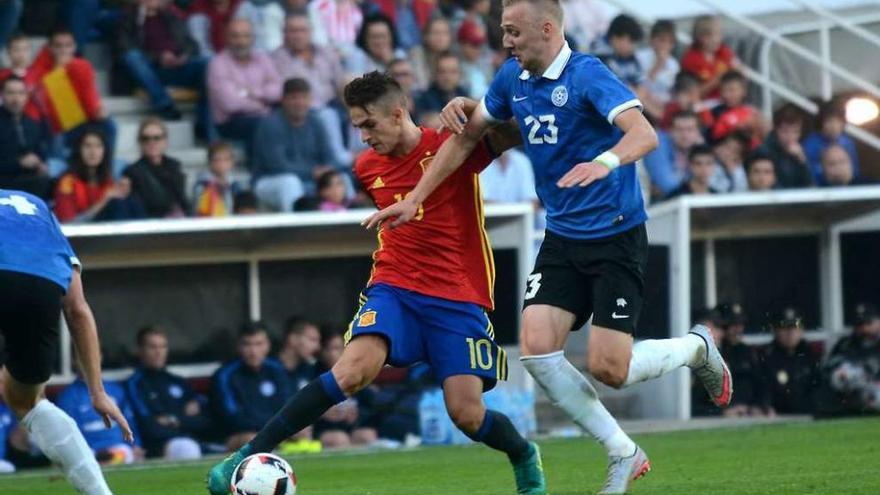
<point x="792" y="375"/>
<point x="268" y="76"/>
<point x="176" y="418"/>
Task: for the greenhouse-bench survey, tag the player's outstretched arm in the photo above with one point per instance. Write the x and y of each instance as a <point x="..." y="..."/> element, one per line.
<point x="84" y="332"/>
<point x="450" y="156"/>
<point x="638" y="140"/>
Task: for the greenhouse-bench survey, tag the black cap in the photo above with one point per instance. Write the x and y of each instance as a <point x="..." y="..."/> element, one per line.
<point x="865" y="313"/>
<point x="731" y="314"/>
<point x="785" y="318"/>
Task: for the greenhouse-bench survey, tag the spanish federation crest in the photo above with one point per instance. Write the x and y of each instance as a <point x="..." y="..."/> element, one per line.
<point x="559" y="97"/>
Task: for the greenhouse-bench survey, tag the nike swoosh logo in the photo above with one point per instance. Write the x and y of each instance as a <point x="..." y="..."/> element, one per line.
<point x="517" y="99"/>
<point x="618" y="317"/>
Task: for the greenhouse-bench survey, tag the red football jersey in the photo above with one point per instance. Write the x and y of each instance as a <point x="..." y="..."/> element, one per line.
<point x="444" y="251"/>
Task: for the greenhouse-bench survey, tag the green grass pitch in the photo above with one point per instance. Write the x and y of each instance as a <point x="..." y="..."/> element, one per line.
<point x="833" y="457"/>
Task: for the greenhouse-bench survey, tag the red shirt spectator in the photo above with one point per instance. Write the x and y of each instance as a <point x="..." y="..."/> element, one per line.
<point x="708" y="58"/>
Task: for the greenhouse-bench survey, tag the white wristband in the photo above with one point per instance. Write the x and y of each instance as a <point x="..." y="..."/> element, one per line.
<point x="608" y="159"/>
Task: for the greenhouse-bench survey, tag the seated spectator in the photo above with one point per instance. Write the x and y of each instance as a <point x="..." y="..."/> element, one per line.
<point x="701" y="169"/>
<point x="660" y="67"/>
<point x="686" y="97"/>
<point x="291" y="150"/>
<point x="436" y="41"/>
<point x="853" y="368"/>
<point x="332" y="191"/>
<point x="509" y="179"/>
<point x="207" y="24"/>
<point x="267" y="18"/>
<point x="87" y="191"/>
<point x="18" y="48"/>
<point x="618" y="50"/>
<point x="215" y="188"/>
<point x="336" y="23"/>
<point x="789" y="367"/>
<point x="23" y="144"/>
<point x="402" y="71"/>
<point x="156" y="179"/>
<point x="108" y="444"/>
<point x="54" y="73"/>
<point x="760" y="172"/>
<point x="668" y="164"/>
<point x="475" y="65"/>
<point x="10" y="13"/>
<point x="249" y="390"/>
<point x="299" y="352"/>
<point x="734" y="114"/>
<point x="245" y="203"/>
<point x="349" y="422"/>
<point x="837" y="169"/>
<point x="446" y="86"/>
<point x="376" y="47"/>
<point x="169" y="413"/>
<point x="832" y="123"/>
<point x="784" y="148"/>
<point x="157" y="50"/>
<point x="91" y="20"/>
<point x="243" y="85"/>
<point x="742" y="361"/>
<point x="583" y="21"/>
<point x="730" y="152"/>
<point x="708" y="58"/>
<point x="409" y="18"/>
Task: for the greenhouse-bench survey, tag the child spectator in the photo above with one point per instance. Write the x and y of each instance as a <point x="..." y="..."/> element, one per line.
<point x="832" y="123"/>
<point x="87" y="192"/>
<point x="731" y="175"/>
<point x="760" y="172"/>
<point x="701" y="168"/>
<point x="156" y="179"/>
<point x="19" y="50"/>
<point x="734" y="114"/>
<point x="215" y="188"/>
<point x="618" y="49"/>
<point x="708" y="58"/>
<point x="332" y="191"/>
<point x="784" y="148"/>
<point x="686" y="97"/>
<point x="660" y="66"/>
<point x="436" y="41"/>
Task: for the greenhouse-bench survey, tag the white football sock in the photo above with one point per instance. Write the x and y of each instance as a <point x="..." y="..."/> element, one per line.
<point x="569" y="390"/>
<point x="57" y="435"/>
<point x="654" y="358"/>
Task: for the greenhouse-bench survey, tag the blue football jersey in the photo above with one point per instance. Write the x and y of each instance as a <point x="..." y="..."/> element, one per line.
<point x="566" y="116"/>
<point x="31" y="240"/>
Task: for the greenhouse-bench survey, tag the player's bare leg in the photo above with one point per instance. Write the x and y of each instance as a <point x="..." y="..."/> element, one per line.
<point x="463" y="395"/>
<point x="360" y="363"/>
<point x="56" y="434"/>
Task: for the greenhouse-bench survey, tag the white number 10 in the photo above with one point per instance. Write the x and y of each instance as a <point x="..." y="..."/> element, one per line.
<point x="535" y="125"/>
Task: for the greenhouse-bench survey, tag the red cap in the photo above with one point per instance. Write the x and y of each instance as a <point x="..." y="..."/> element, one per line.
<point x="471" y="33"/>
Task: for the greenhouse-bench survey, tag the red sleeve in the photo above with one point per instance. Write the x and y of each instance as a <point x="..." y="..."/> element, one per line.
<point x="65" y="202"/>
<point x="726" y="54"/>
<point x="84" y="76"/>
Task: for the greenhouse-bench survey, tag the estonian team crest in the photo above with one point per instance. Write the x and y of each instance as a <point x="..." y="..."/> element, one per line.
<point x="559" y="97"/>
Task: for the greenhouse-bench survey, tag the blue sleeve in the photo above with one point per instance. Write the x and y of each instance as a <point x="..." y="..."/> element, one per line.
<point x="496" y="102"/>
<point x="608" y="95"/>
<point x="659" y="165"/>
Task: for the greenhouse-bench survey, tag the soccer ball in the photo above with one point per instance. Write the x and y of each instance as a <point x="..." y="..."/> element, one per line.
<point x="263" y="474"/>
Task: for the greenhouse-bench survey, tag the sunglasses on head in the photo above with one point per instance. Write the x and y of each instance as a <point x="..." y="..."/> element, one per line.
<point x="147" y="138"/>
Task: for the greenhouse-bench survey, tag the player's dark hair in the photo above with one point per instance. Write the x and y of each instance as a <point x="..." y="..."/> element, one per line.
<point x="371" y="88"/>
<point x="663" y="27"/>
<point x="788" y="114"/>
<point x="700" y="150"/>
<point x="148" y="331"/>
<point x="734" y="76"/>
<point x="626" y="26"/>
<point x="12" y="78"/>
<point x="251" y="329"/>
<point x="686" y="114"/>
<point x="15" y="37"/>
<point x="754" y="158"/>
<point x="296" y="325"/>
<point x="361" y="40"/>
<point x="831" y="110"/>
<point x="78" y="165"/>
<point x="296" y="85"/>
<point x="685" y="81"/>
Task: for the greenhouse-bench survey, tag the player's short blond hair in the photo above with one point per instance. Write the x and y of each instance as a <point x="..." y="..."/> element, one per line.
<point x="551" y="7"/>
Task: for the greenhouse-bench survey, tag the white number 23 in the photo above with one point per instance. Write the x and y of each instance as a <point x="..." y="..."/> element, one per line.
<point x="535" y="125"/>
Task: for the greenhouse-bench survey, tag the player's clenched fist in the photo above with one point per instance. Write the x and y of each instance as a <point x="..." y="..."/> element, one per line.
<point x="402" y="212"/>
<point x="583" y="174"/>
<point x="455" y="114"/>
